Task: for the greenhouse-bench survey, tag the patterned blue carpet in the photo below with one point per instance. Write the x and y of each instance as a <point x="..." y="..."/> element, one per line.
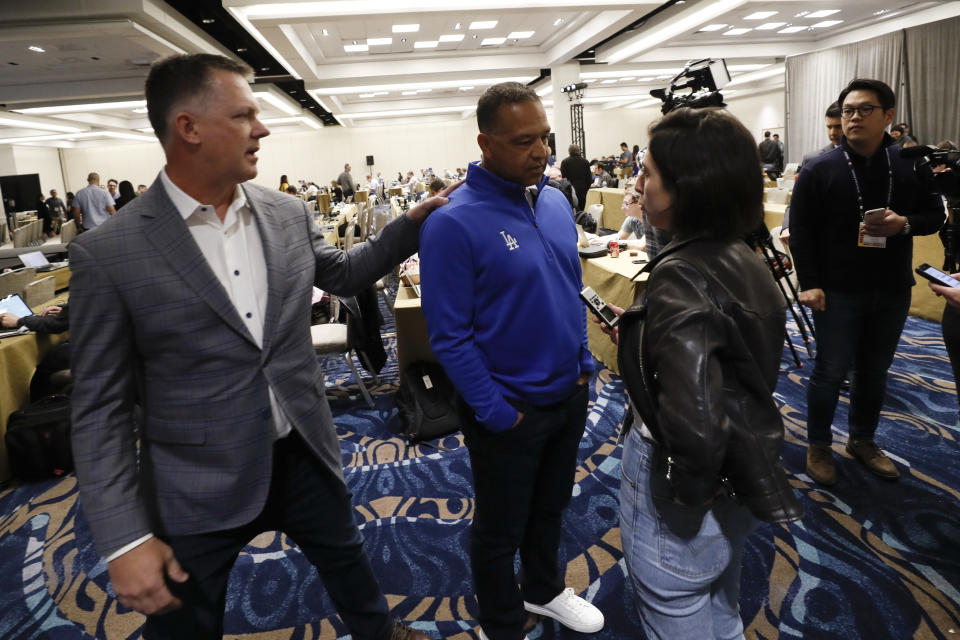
<point x="871" y="560"/>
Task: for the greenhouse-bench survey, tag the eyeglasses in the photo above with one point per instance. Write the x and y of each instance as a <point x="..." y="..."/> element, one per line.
<point x="864" y="110"/>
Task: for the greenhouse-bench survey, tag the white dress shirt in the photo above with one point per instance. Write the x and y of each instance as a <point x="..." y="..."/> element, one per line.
<point x="234" y="252"/>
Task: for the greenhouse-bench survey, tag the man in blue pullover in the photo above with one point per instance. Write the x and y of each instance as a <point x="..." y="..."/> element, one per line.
<point x="500" y="277"/>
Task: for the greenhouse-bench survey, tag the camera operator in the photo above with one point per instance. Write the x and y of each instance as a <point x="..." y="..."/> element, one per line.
<point x="855" y="270"/>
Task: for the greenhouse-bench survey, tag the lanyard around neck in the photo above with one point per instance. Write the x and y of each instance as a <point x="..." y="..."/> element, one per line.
<point x="856" y="182"/>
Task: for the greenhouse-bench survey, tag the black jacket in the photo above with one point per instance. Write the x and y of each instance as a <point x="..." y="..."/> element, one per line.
<point x="825" y="221"/>
<point x="700" y="359"/>
<point x="48" y="324"/>
<point x="576" y="169"/>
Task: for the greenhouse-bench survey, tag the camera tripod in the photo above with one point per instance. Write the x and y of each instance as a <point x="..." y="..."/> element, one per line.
<point x="781" y="268"/>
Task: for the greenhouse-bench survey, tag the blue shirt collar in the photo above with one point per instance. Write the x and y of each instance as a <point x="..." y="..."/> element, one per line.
<point x="481" y="178"/>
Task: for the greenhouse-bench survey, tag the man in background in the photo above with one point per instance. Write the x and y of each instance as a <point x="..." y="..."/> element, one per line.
<point x="500" y="279"/>
<point x="770" y="155"/>
<point x="855" y="270"/>
<point x="345" y="180"/>
<point x="576" y="169"/>
<point x="92" y="205"/>
<point x="834" y="134"/>
<point x="57" y="209"/>
<point x="140" y="189"/>
<point x="112" y="189"/>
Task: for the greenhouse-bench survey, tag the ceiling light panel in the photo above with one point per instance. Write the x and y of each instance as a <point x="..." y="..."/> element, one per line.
<point x="737" y="32"/>
<point x="486" y="42"/>
<point x="80" y="108"/>
<point x="425" y="44"/>
<point x="406" y="28"/>
<point x="793" y="29"/>
<point x="355" y="48"/>
<point x="379" y="42"/>
<point x="714" y="27"/>
<point x="823" y="13"/>
<point x="770" y="26"/>
<point x="760" y="15"/>
<point x="826" y="23"/>
<point x="520" y="35"/>
<point x="479" y="25"/>
<point x="456" y="37"/>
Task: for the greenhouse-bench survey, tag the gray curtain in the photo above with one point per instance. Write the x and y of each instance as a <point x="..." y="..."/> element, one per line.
<point x="814" y="80"/>
<point x="933" y="71"/>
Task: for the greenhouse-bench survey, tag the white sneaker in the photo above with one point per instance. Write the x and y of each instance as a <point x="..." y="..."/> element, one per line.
<point x="571" y="611"/>
<point x="483" y="636"/>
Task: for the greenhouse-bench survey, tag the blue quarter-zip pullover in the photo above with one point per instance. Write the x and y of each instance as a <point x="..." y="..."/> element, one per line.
<point x="500" y="282"/>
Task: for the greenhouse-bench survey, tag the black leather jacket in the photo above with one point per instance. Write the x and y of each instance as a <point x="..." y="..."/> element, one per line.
<point x="700" y="358"/>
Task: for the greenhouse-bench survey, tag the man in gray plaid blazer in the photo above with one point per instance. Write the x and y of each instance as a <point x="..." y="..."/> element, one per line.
<point x="194" y="304"/>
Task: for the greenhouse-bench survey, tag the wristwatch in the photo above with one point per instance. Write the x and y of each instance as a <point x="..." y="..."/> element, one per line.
<point x="906" y="229"/>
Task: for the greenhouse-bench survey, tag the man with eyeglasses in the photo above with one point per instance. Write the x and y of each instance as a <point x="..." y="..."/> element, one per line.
<point x="854" y="211"/>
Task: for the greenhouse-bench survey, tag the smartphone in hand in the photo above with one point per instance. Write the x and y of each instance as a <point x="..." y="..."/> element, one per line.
<point x="874" y="216"/>
<point x="936" y="276"/>
<point x="599" y="308"/>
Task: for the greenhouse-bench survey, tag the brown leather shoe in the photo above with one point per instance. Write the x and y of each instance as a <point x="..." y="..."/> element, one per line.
<point x="403" y="632"/>
<point x="820" y="464"/>
<point x="870" y="456"/>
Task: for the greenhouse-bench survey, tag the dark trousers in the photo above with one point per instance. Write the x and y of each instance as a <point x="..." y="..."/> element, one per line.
<point x="951" y="339"/>
<point x="522" y="480"/>
<point x="57" y="359"/>
<point x="312" y="507"/>
<point x="862" y="329"/>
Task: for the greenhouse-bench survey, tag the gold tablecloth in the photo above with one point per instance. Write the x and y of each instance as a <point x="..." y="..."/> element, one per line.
<point x="413" y="341"/>
<point x="62" y="277"/>
<point x="19" y="356"/>
<point x="611" y="199"/>
<point x="611" y="279"/>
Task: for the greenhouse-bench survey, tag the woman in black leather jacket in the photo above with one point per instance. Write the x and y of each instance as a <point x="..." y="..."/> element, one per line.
<point x="700" y="358"/>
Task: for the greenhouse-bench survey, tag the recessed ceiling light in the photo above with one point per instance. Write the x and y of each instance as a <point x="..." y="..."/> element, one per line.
<point x="627" y="78"/>
<point x="366" y="95"/>
<point x="408" y="93"/>
<point x="800" y="14"/>
<point x="609" y="81"/>
<point x="457" y="26"/>
<point x="760" y="15"/>
<point x="425" y="44"/>
<point x="424" y="90"/>
<point x="492" y="41"/>
<point x="736" y="32"/>
<point x="825" y="23"/>
<point x="823" y="13"/>
<point x="881" y="12"/>
<point x="354" y="42"/>
<point x="355" y="48"/>
<point x="769" y="26"/>
<point x="241" y="49"/>
<point x="477" y="25"/>
<point x="650" y="79"/>
<point x="590" y="80"/>
<point x="208" y="21"/>
<point x="406" y="28"/>
<point x="714" y="27"/>
<point x="34" y="47"/>
<point x="324" y="32"/>
<point x="403" y="40"/>
<point x="558" y="22"/>
<point x="520" y="35"/>
<point x="792" y="29"/>
<point x="468" y="88"/>
<point x="456" y="37"/>
<point x="379" y="42"/>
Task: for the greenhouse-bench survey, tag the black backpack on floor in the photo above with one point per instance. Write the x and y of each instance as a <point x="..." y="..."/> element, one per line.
<point x="38" y="439"/>
<point x="427" y="403"/>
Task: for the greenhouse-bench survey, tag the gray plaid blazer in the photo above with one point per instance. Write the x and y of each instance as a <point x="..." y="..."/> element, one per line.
<point x="151" y="324"/>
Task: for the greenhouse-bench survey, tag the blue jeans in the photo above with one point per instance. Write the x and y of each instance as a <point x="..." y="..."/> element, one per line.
<point x="862" y="329"/>
<point x="684" y="562"/>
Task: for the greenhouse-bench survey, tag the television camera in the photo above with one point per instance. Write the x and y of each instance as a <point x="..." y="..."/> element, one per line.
<point x="703" y="78"/>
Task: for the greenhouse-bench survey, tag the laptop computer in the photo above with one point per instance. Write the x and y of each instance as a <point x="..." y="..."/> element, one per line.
<point x="38" y="261"/>
<point x="14" y="304"/>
